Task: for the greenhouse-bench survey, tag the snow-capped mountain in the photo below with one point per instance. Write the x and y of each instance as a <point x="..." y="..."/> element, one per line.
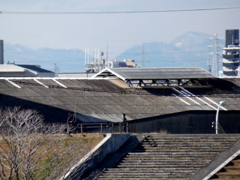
<point x="188" y="50"/>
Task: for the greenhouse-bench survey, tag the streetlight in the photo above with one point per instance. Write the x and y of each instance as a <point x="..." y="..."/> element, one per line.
<point x="221" y="103"/>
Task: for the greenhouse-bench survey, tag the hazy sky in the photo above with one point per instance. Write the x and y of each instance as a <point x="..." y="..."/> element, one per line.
<point x="117" y="31"/>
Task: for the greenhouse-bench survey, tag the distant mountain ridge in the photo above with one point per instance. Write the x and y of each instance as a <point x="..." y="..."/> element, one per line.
<point x="188" y="50"/>
<point x="62" y="60"/>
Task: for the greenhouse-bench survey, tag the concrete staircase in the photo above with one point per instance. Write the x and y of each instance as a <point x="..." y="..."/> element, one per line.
<point x="230" y="171"/>
<point x="169" y="157"/>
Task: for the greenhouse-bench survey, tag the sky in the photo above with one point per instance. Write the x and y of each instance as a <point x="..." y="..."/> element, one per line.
<point x="114" y="32"/>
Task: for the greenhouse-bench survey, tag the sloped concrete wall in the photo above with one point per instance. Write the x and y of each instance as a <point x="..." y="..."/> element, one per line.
<point x="109" y="144"/>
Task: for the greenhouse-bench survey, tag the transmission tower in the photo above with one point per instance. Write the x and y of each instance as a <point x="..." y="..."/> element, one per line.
<point x="56" y="70"/>
<point x="213" y="62"/>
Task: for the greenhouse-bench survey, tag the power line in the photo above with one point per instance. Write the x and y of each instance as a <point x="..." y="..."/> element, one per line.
<point x="117" y="12"/>
<point x="43" y="55"/>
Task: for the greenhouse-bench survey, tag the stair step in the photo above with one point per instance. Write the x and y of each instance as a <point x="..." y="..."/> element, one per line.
<point x="158" y="166"/>
<point x="232" y="168"/>
<point x="150" y="169"/>
<point x="194" y="150"/>
<point x="229" y="174"/>
<point x="160" y="153"/>
<point x="146" y="175"/>
<point x="164" y="158"/>
<point x="236" y="162"/>
<point x="166" y="161"/>
<point x="137" y="178"/>
<point x="167" y="156"/>
<point x="170" y="157"/>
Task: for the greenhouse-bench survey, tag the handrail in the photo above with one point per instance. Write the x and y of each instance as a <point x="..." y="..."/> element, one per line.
<point x="101" y="126"/>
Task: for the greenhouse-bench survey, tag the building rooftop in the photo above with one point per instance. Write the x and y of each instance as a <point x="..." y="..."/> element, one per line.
<point x="155" y="73"/>
<point x="10" y="68"/>
<point x="18" y="70"/>
<point x="104" y="99"/>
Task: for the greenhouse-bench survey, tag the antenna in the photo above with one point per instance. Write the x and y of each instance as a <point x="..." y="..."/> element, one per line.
<point x="87" y="56"/>
<point x="213" y="62"/>
<point x="1" y="52"/>
<point x="56" y="70"/>
<point x="88" y="59"/>
<point x="143" y="56"/>
<point x="107" y="57"/>
<point x="85" y="59"/>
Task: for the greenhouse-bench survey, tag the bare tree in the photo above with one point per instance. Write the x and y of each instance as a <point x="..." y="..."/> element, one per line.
<point x="30" y="149"/>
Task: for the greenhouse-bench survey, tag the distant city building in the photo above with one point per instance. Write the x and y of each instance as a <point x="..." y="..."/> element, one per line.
<point x="232" y="37"/>
<point x="95" y="67"/>
<point x="98" y="66"/>
<point x="231" y="53"/>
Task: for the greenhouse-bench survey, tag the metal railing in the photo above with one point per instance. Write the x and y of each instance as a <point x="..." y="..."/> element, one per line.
<point x="102" y="128"/>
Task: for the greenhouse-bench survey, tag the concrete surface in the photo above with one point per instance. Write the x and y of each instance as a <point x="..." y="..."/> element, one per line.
<point x="110" y="144"/>
<point x="218" y="163"/>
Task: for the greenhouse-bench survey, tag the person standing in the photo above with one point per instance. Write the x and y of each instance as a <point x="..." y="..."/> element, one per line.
<point x="69" y="124"/>
<point x="124" y="122"/>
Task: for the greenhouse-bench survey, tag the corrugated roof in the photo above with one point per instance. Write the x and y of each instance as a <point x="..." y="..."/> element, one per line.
<point x="101" y="100"/>
<point x="155" y="73"/>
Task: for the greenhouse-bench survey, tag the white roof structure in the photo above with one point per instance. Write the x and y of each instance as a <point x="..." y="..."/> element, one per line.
<point x="167" y="76"/>
<point x="155" y="73"/>
<point x="14" y="70"/>
<point x="10" y="68"/>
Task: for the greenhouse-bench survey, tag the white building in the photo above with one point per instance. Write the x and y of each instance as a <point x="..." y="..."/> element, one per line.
<point x="231" y="60"/>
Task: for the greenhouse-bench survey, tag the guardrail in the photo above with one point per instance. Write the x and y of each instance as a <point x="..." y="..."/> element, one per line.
<point x="99" y="127"/>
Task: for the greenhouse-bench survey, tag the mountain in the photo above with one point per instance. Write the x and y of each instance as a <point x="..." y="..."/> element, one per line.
<point x="188" y="50"/>
<point x="61" y="60"/>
